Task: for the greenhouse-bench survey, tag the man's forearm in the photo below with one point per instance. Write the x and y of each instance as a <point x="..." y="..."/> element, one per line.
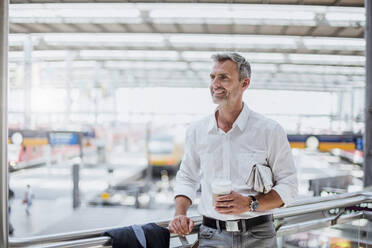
<point x="269" y="201"/>
<point x="182" y="205"/>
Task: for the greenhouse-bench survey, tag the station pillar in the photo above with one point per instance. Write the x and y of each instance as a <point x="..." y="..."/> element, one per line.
<point x="27" y="81"/>
<point x="367" y="153"/>
<point x="4" y="31"/>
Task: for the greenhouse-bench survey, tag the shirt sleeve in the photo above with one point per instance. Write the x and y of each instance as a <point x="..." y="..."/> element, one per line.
<point x="283" y="166"/>
<point x="188" y="176"/>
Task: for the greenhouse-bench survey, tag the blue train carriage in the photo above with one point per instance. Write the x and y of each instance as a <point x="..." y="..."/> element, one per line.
<point x="65" y="144"/>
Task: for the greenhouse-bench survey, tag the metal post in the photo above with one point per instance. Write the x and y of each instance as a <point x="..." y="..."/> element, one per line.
<point x="4" y="30"/>
<point x="75" y="191"/>
<point x="367" y="167"/>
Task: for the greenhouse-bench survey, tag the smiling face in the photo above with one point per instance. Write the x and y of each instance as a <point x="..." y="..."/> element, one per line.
<point x="225" y="86"/>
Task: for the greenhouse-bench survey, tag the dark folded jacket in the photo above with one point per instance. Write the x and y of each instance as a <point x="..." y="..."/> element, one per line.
<point x="125" y="237"/>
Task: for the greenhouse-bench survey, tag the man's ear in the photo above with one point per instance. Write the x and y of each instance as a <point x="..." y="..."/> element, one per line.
<point x="246" y="83"/>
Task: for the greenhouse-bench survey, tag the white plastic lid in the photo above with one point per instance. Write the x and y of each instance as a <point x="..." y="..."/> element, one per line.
<point x="221" y="187"/>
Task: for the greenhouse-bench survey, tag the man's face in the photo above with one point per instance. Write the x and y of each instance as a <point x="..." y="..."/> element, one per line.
<point x="225" y="86"/>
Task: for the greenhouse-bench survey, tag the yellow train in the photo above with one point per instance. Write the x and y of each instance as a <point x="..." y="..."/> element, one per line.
<point x="165" y="152"/>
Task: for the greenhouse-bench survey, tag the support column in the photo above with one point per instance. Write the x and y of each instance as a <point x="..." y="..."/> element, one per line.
<point x="27" y="81"/>
<point x="352" y="112"/>
<point x="4" y="30"/>
<point x="367" y="166"/>
<point x="340" y="115"/>
<point x="115" y="85"/>
<point x="97" y="93"/>
<point x="69" y="82"/>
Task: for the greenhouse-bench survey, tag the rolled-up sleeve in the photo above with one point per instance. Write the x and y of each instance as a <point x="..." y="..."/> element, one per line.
<point x="188" y="176"/>
<point x="283" y="166"/>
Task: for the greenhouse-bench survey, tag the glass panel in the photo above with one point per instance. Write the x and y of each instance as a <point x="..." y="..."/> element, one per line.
<point x="351" y="235"/>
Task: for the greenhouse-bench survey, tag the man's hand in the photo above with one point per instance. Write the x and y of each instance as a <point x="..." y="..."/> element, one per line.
<point x="233" y="203"/>
<point x="181" y="225"/>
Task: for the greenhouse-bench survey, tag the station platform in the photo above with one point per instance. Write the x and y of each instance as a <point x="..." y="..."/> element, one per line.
<point x="52" y="187"/>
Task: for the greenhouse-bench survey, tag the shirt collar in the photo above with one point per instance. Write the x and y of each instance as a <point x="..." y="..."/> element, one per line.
<point x="241" y="121"/>
<point x="212" y="126"/>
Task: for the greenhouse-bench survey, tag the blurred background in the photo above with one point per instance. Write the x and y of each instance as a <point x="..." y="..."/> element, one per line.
<point x="101" y="93"/>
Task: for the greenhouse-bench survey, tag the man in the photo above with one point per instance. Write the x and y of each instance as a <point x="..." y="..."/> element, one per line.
<point x="27" y="199"/>
<point x="227" y="145"/>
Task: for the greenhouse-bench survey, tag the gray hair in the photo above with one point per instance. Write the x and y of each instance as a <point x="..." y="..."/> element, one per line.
<point x="243" y="66"/>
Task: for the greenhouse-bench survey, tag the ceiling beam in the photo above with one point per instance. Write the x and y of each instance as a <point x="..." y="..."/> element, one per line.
<point x="41" y="26"/>
<point x="100" y="59"/>
<point x="130" y="47"/>
<point x="355" y="3"/>
<point x="338" y="31"/>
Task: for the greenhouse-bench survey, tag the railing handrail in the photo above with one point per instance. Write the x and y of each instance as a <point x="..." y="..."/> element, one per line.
<point x="314" y="207"/>
<point x="298" y="208"/>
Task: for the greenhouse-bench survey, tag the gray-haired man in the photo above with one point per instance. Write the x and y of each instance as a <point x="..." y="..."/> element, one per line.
<point x="226" y="145"/>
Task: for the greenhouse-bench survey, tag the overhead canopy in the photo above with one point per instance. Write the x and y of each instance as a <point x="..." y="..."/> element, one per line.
<point x="292" y="46"/>
<point x="233" y="19"/>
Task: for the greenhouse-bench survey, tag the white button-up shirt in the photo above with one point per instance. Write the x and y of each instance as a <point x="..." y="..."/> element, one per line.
<point x="211" y="153"/>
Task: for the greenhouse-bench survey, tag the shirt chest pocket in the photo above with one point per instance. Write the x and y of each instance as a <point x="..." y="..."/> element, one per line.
<point x="259" y="157"/>
<point x="208" y="164"/>
<point x="211" y="166"/>
<point x="246" y="161"/>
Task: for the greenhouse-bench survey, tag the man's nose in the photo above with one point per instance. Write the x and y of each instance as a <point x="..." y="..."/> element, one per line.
<point x="215" y="82"/>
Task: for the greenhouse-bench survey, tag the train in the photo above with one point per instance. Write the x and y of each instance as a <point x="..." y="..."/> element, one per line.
<point x="165" y="152"/>
<point x="30" y="148"/>
<point x="327" y="142"/>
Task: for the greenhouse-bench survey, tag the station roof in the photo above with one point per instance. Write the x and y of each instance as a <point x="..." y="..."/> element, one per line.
<point x="290" y="45"/>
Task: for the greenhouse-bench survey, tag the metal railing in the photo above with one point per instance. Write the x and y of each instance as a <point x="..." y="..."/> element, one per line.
<point x="304" y="215"/>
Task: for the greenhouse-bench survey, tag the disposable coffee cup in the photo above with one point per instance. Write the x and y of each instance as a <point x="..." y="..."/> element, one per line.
<point x="220" y="187"/>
